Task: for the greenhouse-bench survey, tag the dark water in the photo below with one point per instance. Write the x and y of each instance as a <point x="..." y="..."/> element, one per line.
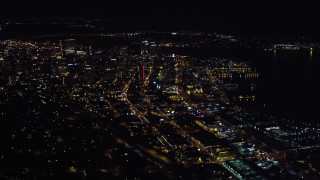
<point x="289" y="85"/>
<point x="289" y="82"/>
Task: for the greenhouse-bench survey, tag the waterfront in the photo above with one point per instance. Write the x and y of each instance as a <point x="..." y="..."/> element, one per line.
<point x="287" y="86"/>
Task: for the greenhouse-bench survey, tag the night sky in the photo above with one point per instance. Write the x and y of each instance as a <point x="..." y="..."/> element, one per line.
<point x="235" y="16"/>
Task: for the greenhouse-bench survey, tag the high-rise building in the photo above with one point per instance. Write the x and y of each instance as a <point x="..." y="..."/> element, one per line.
<point x="145" y="49"/>
<point x="123" y="55"/>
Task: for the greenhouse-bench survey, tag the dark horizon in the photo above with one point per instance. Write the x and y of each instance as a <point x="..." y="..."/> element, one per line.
<point x="235" y="17"/>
